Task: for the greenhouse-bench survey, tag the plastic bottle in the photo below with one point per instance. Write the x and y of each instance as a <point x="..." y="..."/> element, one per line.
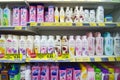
<point x="22" y="46"/>
<point x="29" y="46"/>
<point x="9" y="44"/>
<point x="72" y="45"/>
<point x="69" y="73"/>
<point x="98" y="75"/>
<point x="32" y="13"/>
<point x="2" y="46"/>
<point x="51" y="44"/>
<point x="62" y="73"/>
<point x="15" y="44"/>
<point x="111" y="74"/>
<point x="43" y="42"/>
<point x="1" y="16"/>
<point x="51" y="13"/>
<point x="84" y="46"/>
<point x="76" y="14"/>
<point x="83" y="72"/>
<point x="99" y="44"/>
<point x="58" y="45"/>
<point x="37" y="44"/>
<point x="6" y="16"/>
<point x="91" y="44"/>
<point x="86" y="15"/>
<point x="92" y="16"/>
<point x="100" y="14"/>
<point x="22" y="72"/>
<point x="57" y="15"/>
<point x="81" y="14"/>
<point x="117" y="45"/>
<point x="76" y="73"/>
<point x="64" y="45"/>
<point x="105" y="74"/>
<point x="16" y="16"/>
<point x="40" y="13"/>
<point x="67" y="14"/>
<point x="108" y="44"/>
<point x="28" y="72"/>
<point x="62" y="14"/>
<point x="117" y="73"/>
<point x="91" y="74"/>
<point x="78" y="46"/>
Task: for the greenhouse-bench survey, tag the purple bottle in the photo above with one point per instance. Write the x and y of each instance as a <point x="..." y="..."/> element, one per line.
<point x="105" y="75"/>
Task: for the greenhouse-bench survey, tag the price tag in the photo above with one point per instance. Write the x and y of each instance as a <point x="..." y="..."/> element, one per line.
<point x="41" y="56"/>
<point x="93" y="24"/>
<point x="79" y="24"/>
<point x="72" y="59"/>
<point x="65" y="56"/>
<point x="101" y="24"/>
<point x="83" y="59"/>
<point x="118" y="58"/>
<point x="9" y="57"/>
<point x="48" y="24"/>
<point x="98" y="59"/>
<point x="18" y="28"/>
<point x="33" y="24"/>
<point x="66" y="24"/>
<point x="27" y="59"/>
<point x="118" y="24"/>
<point x="111" y="58"/>
<point x="50" y="55"/>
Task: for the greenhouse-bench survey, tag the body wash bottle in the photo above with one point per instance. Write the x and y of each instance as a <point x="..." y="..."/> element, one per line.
<point x="84" y="46"/>
<point x="62" y="14"/>
<point x="72" y="46"/>
<point x="57" y="15"/>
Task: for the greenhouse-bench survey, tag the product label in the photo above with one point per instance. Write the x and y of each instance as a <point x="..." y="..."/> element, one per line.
<point x="32" y="14"/>
<point x="16" y="16"/>
<point x="22" y="47"/>
<point x="43" y="49"/>
<point x="51" y="49"/>
<point x="69" y="74"/>
<point x="91" y="46"/>
<point x="9" y="46"/>
<point x="58" y="50"/>
<point x="40" y="14"/>
<point x="62" y="75"/>
<point x="76" y="75"/>
<point x="117" y="46"/>
<point x="36" y="47"/>
<point x="64" y="49"/>
<point x="24" y="16"/>
<point x="111" y="76"/>
<point x="22" y="72"/>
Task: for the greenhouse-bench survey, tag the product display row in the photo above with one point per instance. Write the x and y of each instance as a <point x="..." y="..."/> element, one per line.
<point x="60" y="71"/>
<point x="20" y="16"/>
<point x="86" y="45"/>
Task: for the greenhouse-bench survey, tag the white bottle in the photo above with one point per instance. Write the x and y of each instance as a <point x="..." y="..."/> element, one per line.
<point x="64" y="43"/>
<point x="72" y="45"/>
<point x="1" y="16"/>
<point x="58" y="45"/>
<point x="78" y="46"/>
<point x="51" y="44"/>
<point x="37" y="44"/>
<point x="3" y="45"/>
<point x="22" y="46"/>
<point x="57" y="15"/>
<point x="76" y="14"/>
<point x="6" y="16"/>
<point x="117" y="45"/>
<point x="117" y="73"/>
<point x="86" y="15"/>
<point x="67" y="14"/>
<point x="99" y="44"/>
<point x="28" y="72"/>
<point x="71" y="14"/>
<point x="92" y="16"/>
<point x="100" y="14"/>
<point x="81" y="14"/>
<point x="9" y="44"/>
<point x="84" y="46"/>
<point x="43" y="43"/>
<point x="22" y="72"/>
<point x="91" y="44"/>
<point x="15" y="44"/>
<point x="62" y="14"/>
<point x="29" y="46"/>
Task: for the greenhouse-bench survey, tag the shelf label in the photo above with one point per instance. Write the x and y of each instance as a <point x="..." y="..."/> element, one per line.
<point x="118" y="24"/>
<point x="111" y="59"/>
<point x="101" y="24"/>
<point x="83" y="59"/>
<point x="47" y="24"/>
<point x="66" y="24"/>
<point x="18" y="28"/>
<point x="33" y="24"/>
<point x="118" y="58"/>
<point x="98" y="59"/>
<point x="79" y="24"/>
<point x="93" y="24"/>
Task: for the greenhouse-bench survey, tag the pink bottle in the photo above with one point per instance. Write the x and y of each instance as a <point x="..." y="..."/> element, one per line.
<point x="40" y="13"/>
<point x="69" y="73"/>
<point x="32" y="14"/>
<point x="51" y="13"/>
<point x="16" y="16"/>
<point x="117" y="73"/>
<point x="62" y="73"/>
<point x="24" y="16"/>
<point x="91" y="74"/>
<point x="76" y="73"/>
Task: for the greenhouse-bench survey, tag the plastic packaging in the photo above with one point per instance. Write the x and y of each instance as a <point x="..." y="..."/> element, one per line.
<point x="40" y="13"/>
<point x="64" y="45"/>
<point x="2" y="46"/>
<point x="51" y="13"/>
<point x="37" y="44"/>
<point x="32" y="14"/>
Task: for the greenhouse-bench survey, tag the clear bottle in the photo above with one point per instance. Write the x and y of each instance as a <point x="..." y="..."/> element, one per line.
<point x="76" y="14"/>
<point x="92" y="16"/>
<point x="99" y="44"/>
<point x="15" y="44"/>
<point x="57" y="15"/>
<point x="84" y="46"/>
<point x="22" y="46"/>
<point x="58" y="45"/>
<point x="78" y="46"/>
<point x="37" y="44"/>
<point x="51" y="44"/>
<point x="67" y="14"/>
<point x="86" y="15"/>
<point x="2" y="45"/>
<point x="62" y="14"/>
<point x="28" y="72"/>
<point x="29" y="46"/>
<point x="43" y="42"/>
<point x="72" y="45"/>
<point x="64" y="45"/>
<point x="81" y="14"/>
<point x="100" y="14"/>
<point x="117" y="45"/>
<point x="9" y="44"/>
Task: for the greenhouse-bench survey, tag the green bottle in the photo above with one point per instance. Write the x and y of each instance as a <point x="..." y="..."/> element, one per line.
<point x="98" y="75"/>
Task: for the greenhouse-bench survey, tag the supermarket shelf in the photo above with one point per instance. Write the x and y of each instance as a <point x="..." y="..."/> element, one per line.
<point x="15" y="30"/>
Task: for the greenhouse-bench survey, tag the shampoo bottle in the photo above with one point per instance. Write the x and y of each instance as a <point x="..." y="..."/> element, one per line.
<point x="57" y="15"/>
<point x="72" y="46"/>
<point x="15" y="44"/>
<point x="43" y="42"/>
<point x="64" y="45"/>
<point x="2" y="46"/>
<point x="37" y="44"/>
<point x="84" y="46"/>
<point x="62" y="14"/>
<point x="76" y="14"/>
<point x="28" y="72"/>
<point x="9" y="44"/>
<point x="1" y="16"/>
<point x="58" y="45"/>
<point x="81" y="14"/>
